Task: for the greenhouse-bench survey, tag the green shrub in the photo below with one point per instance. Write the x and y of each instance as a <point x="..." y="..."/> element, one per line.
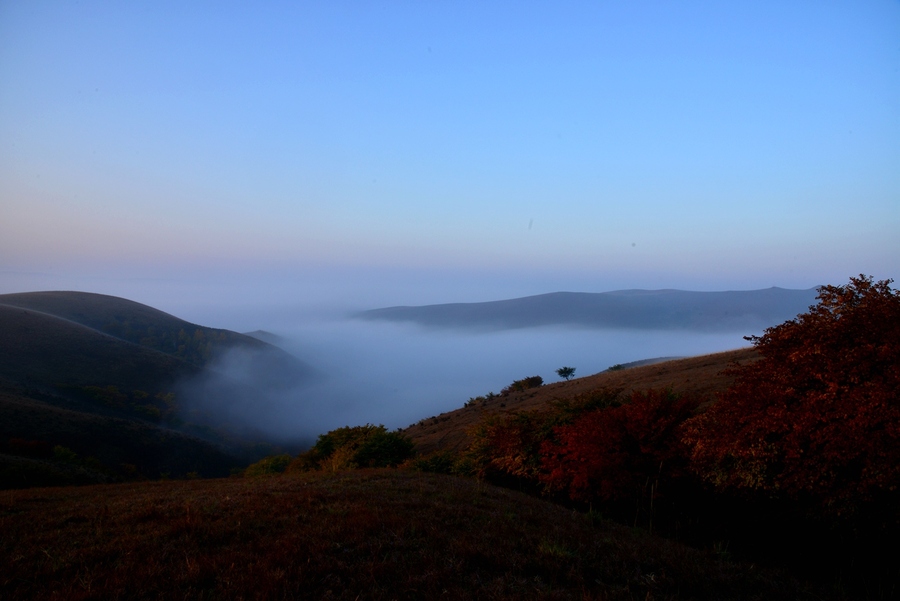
<point x="64" y="454"/>
<point x="274" y="464"/>
<point x="350" y="447"/>
<point x="439" y="462"/>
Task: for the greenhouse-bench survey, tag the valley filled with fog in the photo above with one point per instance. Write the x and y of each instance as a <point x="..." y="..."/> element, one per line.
<point x="396" y="374"/>
<point x="380" y="372"/>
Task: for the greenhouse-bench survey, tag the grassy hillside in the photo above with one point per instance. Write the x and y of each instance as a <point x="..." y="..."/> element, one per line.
<point x="375" y="534"/>
<point x="96" y="376"/>
<point x="39" y="349"/>
<point x="159" y="331"/>
<point x="700" y="375"/>
<point x="43" y="444"/>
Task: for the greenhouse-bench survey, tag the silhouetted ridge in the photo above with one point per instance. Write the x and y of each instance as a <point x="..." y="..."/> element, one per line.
<point x="628" y="309"/>
<point x="154" y="329"/>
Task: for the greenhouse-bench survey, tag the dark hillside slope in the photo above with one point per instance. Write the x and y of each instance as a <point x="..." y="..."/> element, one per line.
<point x="154" y="329"/>
<point x="119" y="408"/>
<point x="64" y="384"/>
<point x="38" y="350"/>
<point x="747" y="311"/>
<point x="104" y="448"/>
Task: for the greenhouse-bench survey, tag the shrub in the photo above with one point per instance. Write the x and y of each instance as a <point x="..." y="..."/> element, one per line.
<point x="274" y="464"/>
<point x="817" y="418"/>
<point x="628" y="453"/>
<point x="509" y="445"/>
<point x="439" y="462"/>
<point x="356" y="446"/>
<point x="523" y="384"/>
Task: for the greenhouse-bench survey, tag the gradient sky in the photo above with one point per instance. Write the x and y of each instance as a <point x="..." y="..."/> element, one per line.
<point x="702" y="145"/>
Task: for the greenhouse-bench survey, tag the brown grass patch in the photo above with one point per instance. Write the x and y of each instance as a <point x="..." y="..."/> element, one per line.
<point x="374" y="534"/>
<point x="701" y="376"/>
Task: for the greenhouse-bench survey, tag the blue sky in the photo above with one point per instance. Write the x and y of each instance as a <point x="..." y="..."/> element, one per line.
<point x="572" y="145"/>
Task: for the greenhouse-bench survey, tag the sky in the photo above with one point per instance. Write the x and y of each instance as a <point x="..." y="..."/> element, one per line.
<point x="372" y="153"/>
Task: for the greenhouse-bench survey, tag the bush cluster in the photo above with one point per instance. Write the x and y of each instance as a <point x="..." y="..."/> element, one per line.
<point x="523" y="384"/>
<point x="352" y="447"/>
<point x="808" y="436"/>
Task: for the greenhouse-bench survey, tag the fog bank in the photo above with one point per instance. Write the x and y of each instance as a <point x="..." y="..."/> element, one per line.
<point x="380" y="372"/>
<point x="398" y="374"/>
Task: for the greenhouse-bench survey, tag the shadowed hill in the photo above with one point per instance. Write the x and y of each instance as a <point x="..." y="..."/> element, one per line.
<point x="128" y="390"/>
<point x="97" y="447"/>
<point x="628" y="309"/>
<point x="696" y="375"/>
<point x="38" y="350"/>
<point x="154" y="329"/>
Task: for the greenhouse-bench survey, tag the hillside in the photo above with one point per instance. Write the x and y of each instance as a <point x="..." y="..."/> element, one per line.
<point x="153" y="329"/>
<point x="125" y="391"/>
<point x="41" y="350"/>
<point x="625" y="309"/>
<point x="375" y="534"/>
<point x="698" y="375"/>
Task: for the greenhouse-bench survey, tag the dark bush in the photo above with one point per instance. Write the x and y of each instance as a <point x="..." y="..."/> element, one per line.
<point x="523" y="384"/>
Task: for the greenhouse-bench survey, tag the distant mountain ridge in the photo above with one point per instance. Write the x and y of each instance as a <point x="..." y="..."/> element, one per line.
<point x="749" y="310"/>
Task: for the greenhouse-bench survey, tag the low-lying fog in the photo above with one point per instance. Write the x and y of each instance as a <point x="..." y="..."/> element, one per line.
<point x="383" y="372"/>
<point x="397" y="374"/>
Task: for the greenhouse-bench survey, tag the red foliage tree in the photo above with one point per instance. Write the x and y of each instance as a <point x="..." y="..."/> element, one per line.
<point x="620" y="453"/>
<point x="508" y="445"/>
<point x="817" y="418"/>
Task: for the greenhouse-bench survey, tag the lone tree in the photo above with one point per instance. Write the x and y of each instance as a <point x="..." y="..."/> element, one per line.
<point x="565" y="372"/>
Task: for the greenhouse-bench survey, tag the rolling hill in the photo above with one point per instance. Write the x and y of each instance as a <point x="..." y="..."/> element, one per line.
<point x="625" y="309"/>
<point x="106" y="380"/>
<point x="153" y="329"/>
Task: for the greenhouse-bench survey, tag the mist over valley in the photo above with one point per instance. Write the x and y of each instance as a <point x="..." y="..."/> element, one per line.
<point x="300" y="372"/>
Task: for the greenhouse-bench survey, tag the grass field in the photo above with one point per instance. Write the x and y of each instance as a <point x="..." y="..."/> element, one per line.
<point x="371" y="534"/>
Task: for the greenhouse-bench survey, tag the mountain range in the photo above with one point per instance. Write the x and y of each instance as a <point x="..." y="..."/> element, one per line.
<point x="750" y="310"/>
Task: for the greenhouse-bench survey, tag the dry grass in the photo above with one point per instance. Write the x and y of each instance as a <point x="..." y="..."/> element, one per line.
<point x="376" y="534"/>
<point x="697" y="375"/>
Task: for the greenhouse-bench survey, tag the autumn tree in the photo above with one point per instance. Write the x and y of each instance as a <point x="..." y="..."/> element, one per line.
<point x="626" y="455"/>
<point x="817" y="417"/>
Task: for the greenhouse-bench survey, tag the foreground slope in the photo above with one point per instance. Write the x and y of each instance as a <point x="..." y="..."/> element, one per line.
<point x="701" y="376"/>
<point x="381" y="534"/>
